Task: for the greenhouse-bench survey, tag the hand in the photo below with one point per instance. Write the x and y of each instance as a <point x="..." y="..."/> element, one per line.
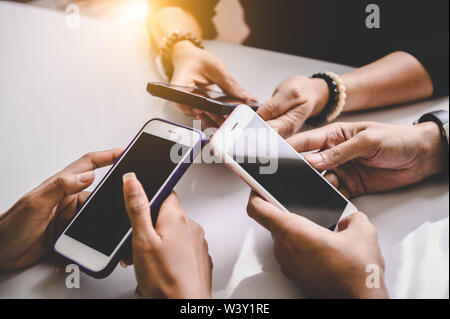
<point x="324" y="263"/>
<point x="371" y="157"/>
<point x="29" y="229"/>
<point x="293" y="102"/>
<point x="195" y="67"/>
<point x="172" y="259"/>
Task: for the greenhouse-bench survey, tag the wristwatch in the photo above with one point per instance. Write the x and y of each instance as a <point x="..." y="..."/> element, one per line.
<point x="441" y="119"/>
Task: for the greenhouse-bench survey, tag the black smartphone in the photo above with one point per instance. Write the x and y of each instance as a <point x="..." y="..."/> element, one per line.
<point x="211" y="101"/>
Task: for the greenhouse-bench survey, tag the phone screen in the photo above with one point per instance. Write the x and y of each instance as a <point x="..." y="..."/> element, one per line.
<point x="280" y="170"/>
<point x="103" y="221"/>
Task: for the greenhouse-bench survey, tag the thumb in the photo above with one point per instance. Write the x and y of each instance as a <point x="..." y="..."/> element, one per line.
<point x="336" y="155"/>
<point x="266" y="214"/>
<point x="357" y="222"/>
<point x="53" y="190"/>
<point x="282" y="223"/>
<point x="138" y="208"/>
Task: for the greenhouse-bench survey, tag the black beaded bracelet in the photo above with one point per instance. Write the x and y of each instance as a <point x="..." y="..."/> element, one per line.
<point x="333" y="98"/>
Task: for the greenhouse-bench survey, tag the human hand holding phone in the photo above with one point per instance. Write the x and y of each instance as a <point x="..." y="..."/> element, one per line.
<point x="368" y="157"/>
<point x="195" y="67"/>
<point x="170" y="260"/>
<point x="294" y="101"/>
<point x="30" y="227"/>
<point x="324" y="263"/>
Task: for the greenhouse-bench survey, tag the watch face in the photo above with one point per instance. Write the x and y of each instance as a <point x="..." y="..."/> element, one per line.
<point x="446" y="130"/>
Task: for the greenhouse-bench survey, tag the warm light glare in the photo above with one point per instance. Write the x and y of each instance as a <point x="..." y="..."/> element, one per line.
<point x="133" y="12"/>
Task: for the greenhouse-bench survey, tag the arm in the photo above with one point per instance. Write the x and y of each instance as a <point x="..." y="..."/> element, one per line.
<point x="169" y="19"/>
<point x="396" y="78"/>
<point x="194" y="66"/>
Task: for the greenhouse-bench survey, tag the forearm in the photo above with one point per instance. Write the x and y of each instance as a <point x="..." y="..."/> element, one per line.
<point x="169" y="19"/>
<point x="396" y="78"/>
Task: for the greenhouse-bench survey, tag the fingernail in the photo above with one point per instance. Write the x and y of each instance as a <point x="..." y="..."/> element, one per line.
<point x="86" y="177"/>
<point x="128" y="176"/>
<point x="315" y="158"/>
<point x="123" y="264"/>
<point x="130" y="188"/>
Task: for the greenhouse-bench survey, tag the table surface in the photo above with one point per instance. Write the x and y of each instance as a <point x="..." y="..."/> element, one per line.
<point x="65" y="92"/>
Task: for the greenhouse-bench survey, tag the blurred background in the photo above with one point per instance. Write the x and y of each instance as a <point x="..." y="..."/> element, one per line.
<point x="135" y="11"/>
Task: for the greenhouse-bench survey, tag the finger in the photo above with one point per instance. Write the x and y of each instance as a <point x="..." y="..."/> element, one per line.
<point x="67" y="209"/>
<point x="61" y="264"/>
<point x="187" y="110"/>
<point x="206" y="121"/>
<point x="358" y="223"/>
<point x="220" y="76"/>
<point x="217" y="119"/>
<point x="126" y="261"/>
<point x="351" y="179"/>
<point x="82" y="197"/>
<point x="265" y="213"/>
<point x="278" y="104"/>
<point x="331" y="134"/>
<point x="138" y="208"/>
<point x="53" y="190"/>
<point x="137" y="293"/>
<point x="288" y="123"/>
<point x="282" y="224"/>
<point x="333" y="179"/>
<point x="170" y="214"/>
<point x="94" y="160"/>
<point x="126" y="254"/>
<point x="310" y="140"/>
<point x="337" y="155"/>
<point x="345" y="192"/>
<point x="183" y="79"/>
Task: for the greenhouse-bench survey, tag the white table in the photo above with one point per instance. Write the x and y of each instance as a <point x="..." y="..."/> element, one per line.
<point x="64" y="92"/>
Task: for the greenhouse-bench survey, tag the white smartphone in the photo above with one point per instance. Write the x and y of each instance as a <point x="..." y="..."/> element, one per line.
<point x="277" y="172"/>
<point x="159" y="155"/>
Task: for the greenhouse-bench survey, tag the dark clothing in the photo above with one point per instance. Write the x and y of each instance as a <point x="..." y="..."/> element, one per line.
<point x="336" y="31"/>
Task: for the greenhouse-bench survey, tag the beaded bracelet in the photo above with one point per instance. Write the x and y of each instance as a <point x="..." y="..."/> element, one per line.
<point x="336" y="100"/>
<point x="167" y="44"/>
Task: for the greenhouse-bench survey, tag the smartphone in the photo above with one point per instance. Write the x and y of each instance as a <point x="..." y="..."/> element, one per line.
<point x="277" y="172"/>
<point x="159" y="155"/>
<point x="211" y="101"/>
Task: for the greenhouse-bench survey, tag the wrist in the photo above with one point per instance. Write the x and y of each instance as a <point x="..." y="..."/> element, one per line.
<point x="181" y="49"/>
<point x="433" y="147"/>
<point x="322" y="95"/>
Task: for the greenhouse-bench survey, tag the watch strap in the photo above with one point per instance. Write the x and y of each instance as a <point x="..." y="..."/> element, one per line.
<point x="441" y="118"/>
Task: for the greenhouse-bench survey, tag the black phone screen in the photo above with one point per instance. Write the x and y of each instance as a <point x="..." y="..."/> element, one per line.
<point x="103" y="221"/>
<point x="285" y="175"/>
